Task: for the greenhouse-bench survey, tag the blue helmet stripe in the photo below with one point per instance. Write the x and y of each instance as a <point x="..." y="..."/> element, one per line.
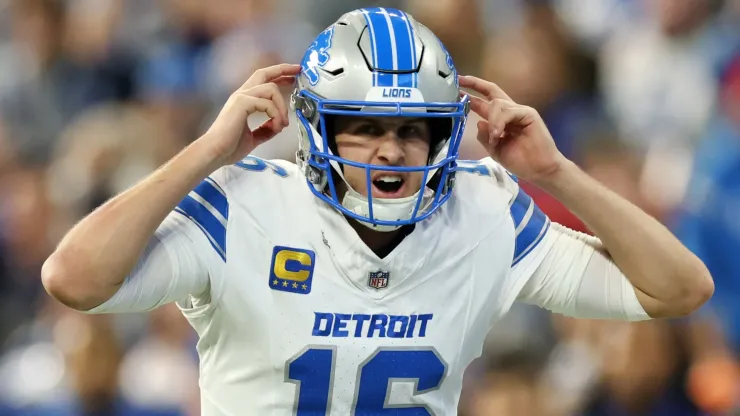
<point x="403" y="39"/>
<point x="373" y="46"/>
<point x="394" y="43"/>
<point x="406" y="80"/>
<point x="383" y="44"/>
<point x="412" y="42"/>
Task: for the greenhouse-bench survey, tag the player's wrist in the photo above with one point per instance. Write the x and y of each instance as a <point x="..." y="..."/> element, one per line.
<point x="560" y="180"/>
<point x="205" y="158"/>
<point x="212" y="155"/>
<point x="558" y="176"/>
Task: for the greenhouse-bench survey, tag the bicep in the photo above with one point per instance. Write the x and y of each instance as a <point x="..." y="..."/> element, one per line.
<point x="168" y="270"/>
<point x="577" y="278"/>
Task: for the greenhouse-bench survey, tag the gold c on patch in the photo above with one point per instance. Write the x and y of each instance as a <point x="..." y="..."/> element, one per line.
<point x="292" y="269"/>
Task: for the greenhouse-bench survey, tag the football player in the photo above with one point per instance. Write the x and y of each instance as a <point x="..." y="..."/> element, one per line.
<point x="363" y="279"/>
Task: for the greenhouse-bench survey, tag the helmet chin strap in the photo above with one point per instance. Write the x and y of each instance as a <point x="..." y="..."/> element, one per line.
<point x="386" y="208"/>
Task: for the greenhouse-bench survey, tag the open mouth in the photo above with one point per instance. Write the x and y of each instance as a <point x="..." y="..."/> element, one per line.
<point x="388" y="186"/>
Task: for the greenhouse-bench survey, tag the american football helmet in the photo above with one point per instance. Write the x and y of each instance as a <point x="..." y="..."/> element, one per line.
<point x="379" y="62"/>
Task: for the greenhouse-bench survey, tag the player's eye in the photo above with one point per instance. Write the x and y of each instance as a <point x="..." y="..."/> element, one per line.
<point x="369" y="129"/>
<point x="411" y="131"/>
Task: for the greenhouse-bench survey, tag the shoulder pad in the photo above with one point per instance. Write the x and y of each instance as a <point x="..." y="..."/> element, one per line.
<point x="488" y="167"/>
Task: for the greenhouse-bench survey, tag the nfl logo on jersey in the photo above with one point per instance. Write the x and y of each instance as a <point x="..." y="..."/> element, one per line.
<point x="378" y="280"/>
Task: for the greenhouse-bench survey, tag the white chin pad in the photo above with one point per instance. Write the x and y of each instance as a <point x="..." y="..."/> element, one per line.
<point x="386" y="209"/>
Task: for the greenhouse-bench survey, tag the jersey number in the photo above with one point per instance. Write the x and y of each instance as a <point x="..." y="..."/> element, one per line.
<point x="313" y="371"/>
<point x="473" y="166"/>
<point x="255" y="164"/>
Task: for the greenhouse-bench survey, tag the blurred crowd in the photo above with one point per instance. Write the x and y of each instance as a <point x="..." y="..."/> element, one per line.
<point x="643" y="94"/>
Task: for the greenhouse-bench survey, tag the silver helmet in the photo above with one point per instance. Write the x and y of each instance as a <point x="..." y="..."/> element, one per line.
<point x="383" y="62"/>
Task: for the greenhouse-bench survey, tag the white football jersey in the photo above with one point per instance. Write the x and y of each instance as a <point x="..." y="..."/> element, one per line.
<point x="303" y="319"/>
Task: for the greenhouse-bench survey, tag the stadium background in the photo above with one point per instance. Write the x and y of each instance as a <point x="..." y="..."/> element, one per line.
<point x="643" y="94"/>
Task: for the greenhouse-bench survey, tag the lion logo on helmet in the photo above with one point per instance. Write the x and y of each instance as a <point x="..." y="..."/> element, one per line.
<point x="449" y="62"/>
<point x="317" y="55"/>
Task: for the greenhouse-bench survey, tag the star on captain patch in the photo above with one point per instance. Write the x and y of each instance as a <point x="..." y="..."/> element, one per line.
<point x="378" y="280"/>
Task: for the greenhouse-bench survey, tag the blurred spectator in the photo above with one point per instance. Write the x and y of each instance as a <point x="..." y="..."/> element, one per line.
<point x="659" y="85"/>
<point x="458" y="25"/>
<point x="25" y="217"/>
<point x="160" y="371"/>
<point x="536" y="66"/>
<point x="69" y="63"/>
<point x="708" y="222"/>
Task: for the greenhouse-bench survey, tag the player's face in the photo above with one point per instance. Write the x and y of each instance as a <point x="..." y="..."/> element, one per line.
<point x="385" y="141"/>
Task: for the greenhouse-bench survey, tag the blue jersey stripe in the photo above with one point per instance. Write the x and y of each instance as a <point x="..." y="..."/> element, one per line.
<point x="216" y="248"/>
<point x="520" y="254"/>
<point x="532" y="233"/>
<point x="519" y="207"/>
<point x="206" y="221"/>
<point x="213" y="196"/>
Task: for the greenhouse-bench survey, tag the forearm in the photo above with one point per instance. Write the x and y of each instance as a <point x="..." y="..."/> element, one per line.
<point x="94" y="257"/>
<point x="668" y="278"/>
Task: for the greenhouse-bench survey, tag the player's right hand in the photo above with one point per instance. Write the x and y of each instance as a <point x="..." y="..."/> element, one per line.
<point x="230" y="138"/>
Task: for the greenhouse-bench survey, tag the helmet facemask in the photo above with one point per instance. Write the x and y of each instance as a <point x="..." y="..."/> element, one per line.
<point x="318" y="159"/>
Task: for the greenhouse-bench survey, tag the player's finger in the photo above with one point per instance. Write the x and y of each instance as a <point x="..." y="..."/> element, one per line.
<point x="271" y="91"/>
<point x="285" y="80"/>
<point x="516" y="115"/>
<point x="479" y="106"/>
<point x="270" y="73"/>
<point x="264" y="132"/>
<point x="486" y="88"/>
<point x="483" y="133"/>
<point x="251" y="105"/>
<point x="495" y="119"/>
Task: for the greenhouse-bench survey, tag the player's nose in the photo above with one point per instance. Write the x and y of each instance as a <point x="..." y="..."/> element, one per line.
<point x="390" y="150"/>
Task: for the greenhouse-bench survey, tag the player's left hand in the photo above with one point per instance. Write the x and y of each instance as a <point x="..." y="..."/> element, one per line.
<point x="514" y="135"/>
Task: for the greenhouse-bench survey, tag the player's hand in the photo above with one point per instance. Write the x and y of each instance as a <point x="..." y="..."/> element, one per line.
<point x="514" y="135"/>
<point x="230" y="136"/>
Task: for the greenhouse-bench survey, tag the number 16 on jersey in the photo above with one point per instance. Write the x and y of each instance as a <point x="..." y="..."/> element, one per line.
<point x="312" y="370"/>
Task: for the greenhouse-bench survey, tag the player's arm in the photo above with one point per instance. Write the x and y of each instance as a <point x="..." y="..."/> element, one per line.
<point x="559" y="269"/>
<point x="172" y="267"/>
<point x="94" y="258"/>
<point x="667" y="278"/>
<point x="571" y="274"/>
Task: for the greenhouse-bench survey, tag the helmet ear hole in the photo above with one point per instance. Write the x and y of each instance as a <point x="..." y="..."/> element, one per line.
<point x="441" y="131"/>
<point x="330" y="123"/>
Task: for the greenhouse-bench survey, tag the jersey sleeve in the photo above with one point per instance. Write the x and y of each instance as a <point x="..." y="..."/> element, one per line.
<point x="531" y="225"/>
<point x="562" y="270"/>
<point x="182" y="258"/>
<point x="576" y="277"/>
